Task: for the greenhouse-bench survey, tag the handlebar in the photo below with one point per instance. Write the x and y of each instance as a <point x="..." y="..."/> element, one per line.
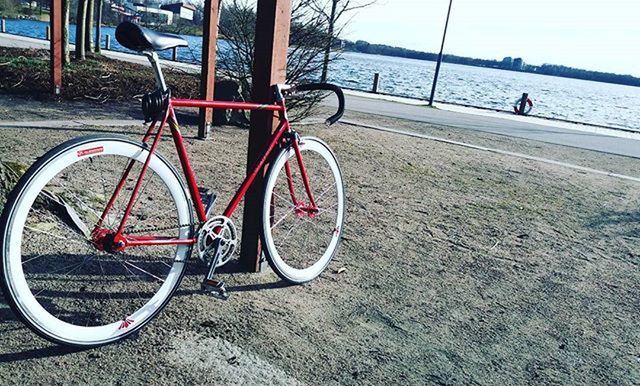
<point x="325" y="87"/>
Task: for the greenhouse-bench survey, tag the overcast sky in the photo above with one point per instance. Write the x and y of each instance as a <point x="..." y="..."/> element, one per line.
<point x="601" y="35"/>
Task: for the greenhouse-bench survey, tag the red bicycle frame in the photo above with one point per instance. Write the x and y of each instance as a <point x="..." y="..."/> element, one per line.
<point x="119" y="241"/>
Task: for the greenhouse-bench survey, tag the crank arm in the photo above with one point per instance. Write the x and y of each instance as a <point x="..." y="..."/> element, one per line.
<point x="215" y="287"/>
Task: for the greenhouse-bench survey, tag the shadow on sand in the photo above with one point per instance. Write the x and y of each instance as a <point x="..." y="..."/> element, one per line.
<point x="623" y="223"/>
<point x="7" y="315"/>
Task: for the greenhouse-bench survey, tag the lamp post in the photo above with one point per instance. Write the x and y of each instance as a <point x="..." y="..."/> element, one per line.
<point x="435" y="76"/>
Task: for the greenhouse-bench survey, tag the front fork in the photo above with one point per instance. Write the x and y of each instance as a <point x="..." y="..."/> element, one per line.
<point x="300" y="207"/>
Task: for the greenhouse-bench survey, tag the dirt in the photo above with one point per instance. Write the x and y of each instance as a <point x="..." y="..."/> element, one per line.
<point x="460" y="267"/>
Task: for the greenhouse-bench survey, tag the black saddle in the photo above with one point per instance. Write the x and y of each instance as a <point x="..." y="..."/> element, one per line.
<point x="137" y="38"/>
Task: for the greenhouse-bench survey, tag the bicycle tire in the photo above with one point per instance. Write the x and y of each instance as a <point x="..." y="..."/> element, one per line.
<point x="55" y="311"/>
<point x="299" y="246"/>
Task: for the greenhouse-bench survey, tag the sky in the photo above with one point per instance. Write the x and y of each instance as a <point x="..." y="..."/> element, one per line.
<point x="591" y="34"/>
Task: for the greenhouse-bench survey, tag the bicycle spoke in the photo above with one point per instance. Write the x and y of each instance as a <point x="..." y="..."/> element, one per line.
<point x="288" y="199"/>
<point x="283" y="217"/>
<point x="143" y="271"/>
<point x="52" y="235"/>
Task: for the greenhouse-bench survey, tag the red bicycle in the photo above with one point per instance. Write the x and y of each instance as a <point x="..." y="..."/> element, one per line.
<point x="97" y="233"/>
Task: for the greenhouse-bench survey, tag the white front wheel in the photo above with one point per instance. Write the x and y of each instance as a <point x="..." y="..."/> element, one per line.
<point x="299" y="240"/>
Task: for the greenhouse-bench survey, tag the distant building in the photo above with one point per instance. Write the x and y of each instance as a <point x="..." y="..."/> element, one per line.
<point x="149" y="13"/>
<point x="124" y="14"/>
<point x="518" y="64"/>
<point x="181" y="10"/>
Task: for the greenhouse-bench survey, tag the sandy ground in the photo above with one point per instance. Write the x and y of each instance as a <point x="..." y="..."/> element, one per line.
<point x="462" y="267"/>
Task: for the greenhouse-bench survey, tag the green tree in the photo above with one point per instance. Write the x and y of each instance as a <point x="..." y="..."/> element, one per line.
<point x="9" y="7"/>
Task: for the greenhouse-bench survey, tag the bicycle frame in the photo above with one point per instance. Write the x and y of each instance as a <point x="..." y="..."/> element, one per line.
<point x="121" y="241"/>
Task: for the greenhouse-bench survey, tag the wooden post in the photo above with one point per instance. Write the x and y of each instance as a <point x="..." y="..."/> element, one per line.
<point x="208" y="71"/>
<point x="273" y="20"/>
<point x="107" y="42"/>
<point x="376" y="82"/>
<point x="174" y="54"/>
<point x="523" y="103"/>
<point x="48" y="33"/>
<point x="2" y="25"/>
<point x="56" y="46"/>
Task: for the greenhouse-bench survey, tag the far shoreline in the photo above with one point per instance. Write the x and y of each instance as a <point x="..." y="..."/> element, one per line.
<point x="634" y="79"/>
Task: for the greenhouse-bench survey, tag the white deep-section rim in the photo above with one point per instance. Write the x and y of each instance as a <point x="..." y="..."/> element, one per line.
<point x="291" y="273"/>
<point x="16" y="282"/>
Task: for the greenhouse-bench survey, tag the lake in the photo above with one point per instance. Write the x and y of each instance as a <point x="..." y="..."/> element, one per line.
<point x="553" y="97"/>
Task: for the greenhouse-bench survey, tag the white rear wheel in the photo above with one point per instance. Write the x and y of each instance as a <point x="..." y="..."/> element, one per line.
<point x="55" y="279"/>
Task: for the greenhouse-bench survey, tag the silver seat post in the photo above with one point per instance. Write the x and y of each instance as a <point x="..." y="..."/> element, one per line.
<point x="155" y="64"/>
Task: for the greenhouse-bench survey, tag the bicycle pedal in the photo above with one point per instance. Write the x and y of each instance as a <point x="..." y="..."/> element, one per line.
<point x="215" y="288"/>
<point x="208" y="198"/>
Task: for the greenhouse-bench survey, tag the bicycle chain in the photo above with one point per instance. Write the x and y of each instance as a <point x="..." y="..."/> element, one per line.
<point x="165" y="228"/>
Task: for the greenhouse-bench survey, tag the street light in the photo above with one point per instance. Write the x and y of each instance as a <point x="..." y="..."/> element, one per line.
<point x="435" y="76"/>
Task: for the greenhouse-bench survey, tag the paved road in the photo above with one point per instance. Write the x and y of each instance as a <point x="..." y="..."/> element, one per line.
<point x="496" y="125"/>
<point x="491" y="124"/>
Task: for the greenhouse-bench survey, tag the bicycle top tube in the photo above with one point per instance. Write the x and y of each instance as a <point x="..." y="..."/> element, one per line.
<point x="175" y="102"/>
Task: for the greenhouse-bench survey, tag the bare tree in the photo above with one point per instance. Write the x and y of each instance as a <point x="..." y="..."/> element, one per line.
<point x="99" y="6"/>
<point x="80" y="29"/>
<point x="306" y="47"/>
<point x="332" y="11"/>
<point x="66" y="56"/>
<point x="88" y="28"/>
<point x="237" y="27"/>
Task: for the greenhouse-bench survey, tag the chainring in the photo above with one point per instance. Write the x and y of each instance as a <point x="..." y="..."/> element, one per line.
<point x="217" y="228"/>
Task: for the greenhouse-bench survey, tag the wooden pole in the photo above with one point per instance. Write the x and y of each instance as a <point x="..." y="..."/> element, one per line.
<point x="208" y="71"/>
<point x="107" y="42"/>
<point x="2" y="25"/>
<point x="55" y="51"/>
<point x="273" y="20"/>
<point x="174" y="54"/>
<point x="376" y="82"/>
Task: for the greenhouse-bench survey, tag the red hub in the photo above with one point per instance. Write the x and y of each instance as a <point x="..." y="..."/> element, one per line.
<point x="106" y="240"/>
<point x="302" y="209"/>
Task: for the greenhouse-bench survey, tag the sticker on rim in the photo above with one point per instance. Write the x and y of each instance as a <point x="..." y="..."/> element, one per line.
<point x="93" y="150"/>
<point x="125" y="323"/>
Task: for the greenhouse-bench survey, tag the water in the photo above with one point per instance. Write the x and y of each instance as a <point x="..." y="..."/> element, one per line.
<point x="38" y="29"/>
<point x="553" y="97"/>
<point x="573" y="99"/>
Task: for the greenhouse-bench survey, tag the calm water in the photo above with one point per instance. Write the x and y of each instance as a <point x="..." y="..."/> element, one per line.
<point x="554" y="97"/>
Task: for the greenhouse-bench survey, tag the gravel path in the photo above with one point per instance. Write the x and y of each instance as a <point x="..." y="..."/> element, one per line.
<point x="462" y="267"/>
